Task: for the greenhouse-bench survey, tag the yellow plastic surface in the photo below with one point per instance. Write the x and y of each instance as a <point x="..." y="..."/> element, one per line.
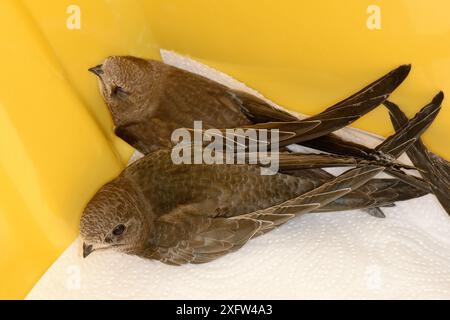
<point x="56" y="140"/>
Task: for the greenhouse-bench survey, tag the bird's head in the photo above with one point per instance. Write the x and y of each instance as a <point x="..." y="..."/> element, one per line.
<point x="126" y="84"/>
<point x="116" y="218"/>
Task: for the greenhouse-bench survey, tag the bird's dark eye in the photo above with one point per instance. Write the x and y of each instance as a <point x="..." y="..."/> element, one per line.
<point x="118" y="230"/>
<point x="119" y="91"/>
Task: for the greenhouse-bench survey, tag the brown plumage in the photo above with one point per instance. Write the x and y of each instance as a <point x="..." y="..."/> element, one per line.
<point x="434" y="169"/>
<point x="196" y="213"/>
<point x="149" y="99"/>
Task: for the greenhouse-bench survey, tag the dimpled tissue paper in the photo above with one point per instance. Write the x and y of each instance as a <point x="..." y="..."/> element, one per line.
<point x="349" y="255"/>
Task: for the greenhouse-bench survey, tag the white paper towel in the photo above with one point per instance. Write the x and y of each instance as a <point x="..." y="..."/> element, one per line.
<point x="317" y="256"/>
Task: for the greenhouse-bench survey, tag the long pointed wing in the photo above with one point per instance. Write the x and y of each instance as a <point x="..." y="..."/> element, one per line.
<point x="323" y="195"/>
<point x="401" y="140"/>
<point x="184" y="237"/>
<point x="333" y="144"/>
<point x="434" y="169"/>
<point x="367" y="98"/>
<point x="334" y="117"/>
<point x="393" y="146"/>
<point x="413" y="181"/>
<point x="373" y="194"/>
<point x="295" y="161"/>
<point x="398" y="143"/>
<point x="314" y="200"/>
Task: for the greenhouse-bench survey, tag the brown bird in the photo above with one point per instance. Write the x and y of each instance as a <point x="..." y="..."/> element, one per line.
<point x="434" y="169"/>
<point x="196" y="213"/>
<point x="148" y="100"/>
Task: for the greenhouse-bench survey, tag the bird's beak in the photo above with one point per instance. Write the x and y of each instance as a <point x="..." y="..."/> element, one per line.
<point x="97" y="70"/>
<point x="87" y="249"/>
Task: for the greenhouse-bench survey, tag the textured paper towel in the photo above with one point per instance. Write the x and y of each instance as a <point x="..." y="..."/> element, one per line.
<point x="327" y="255"/>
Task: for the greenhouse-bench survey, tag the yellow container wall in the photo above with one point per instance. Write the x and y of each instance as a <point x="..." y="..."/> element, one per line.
<point x="56" y="141"/>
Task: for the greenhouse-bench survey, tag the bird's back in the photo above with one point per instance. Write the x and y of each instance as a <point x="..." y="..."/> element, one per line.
<point x="230" y="189"/>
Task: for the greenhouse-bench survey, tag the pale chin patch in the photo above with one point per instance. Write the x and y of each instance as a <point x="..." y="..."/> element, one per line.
<point x="318" y="256"/>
